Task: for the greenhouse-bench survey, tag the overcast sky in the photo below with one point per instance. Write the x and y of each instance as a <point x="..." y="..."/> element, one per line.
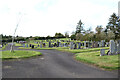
<point x="46" y="17"/>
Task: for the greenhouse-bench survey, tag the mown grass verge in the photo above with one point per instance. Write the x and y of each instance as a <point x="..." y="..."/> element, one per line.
<point x="105" y="62"/>
<point x="81" y="50"/>
<point x="19" y="54"/>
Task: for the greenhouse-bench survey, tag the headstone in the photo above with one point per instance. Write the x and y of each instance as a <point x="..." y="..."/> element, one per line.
<point x="49" y="44"/>
<point x="102" y="52"/>
<point x="115" y="47"/>
<point x="71" y="45"/>
<point x="64" y="45"/>
<point x="75" y="46"/>
<point x="98" y="44"/>
<point x="38" y="45"/>
<point x="23" y="45"/>
<point x="79" y="45"/>
<point x="118" y="47"/>
<point x="32" y="46"/>
<point x="57" y="44"/>
<point x="112" y="47"/>
<point x="41" y="45"/>
<point x="103" y="43"/>
<point x="107" y="44"/>
<point x="27" y="45"/>
<point x="85" y="44"/>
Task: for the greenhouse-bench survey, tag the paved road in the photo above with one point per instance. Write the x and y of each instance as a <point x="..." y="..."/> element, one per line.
<point x="53" y="64"/>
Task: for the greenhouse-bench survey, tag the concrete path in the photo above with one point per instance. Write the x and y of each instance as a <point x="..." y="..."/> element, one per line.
<point x="53" y="64"/>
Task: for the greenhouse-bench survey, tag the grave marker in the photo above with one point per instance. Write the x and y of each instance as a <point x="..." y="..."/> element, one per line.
<point x="102" y="52"/>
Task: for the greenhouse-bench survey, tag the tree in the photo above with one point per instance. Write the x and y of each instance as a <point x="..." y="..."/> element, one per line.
<point x="79" y="36"/>
<point x="59" y="35"/>
<point x="66" y="34"/>
<point x="99" y="29"/>
<point x="79" y="27"/>
<point x="110" y="35"/>
<point x="73" y="35"/>
<point x="100" y="34"/>
<point x="114" y="26"/>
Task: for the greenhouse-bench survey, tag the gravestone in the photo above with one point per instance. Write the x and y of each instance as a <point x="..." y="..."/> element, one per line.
<point x="41" y="45"/>
<point x="38" y="45"/>
<point x="23" y="45"/>
<point x="86" y="44"/>
<point x="71" y="45"/>
<point x="32" y="46"/>
<point x="112" y="47"/>
<point x="75" y="46"/>
<point x="118" y="47"/>
<point x="57" y="44"/>
<point x="103" y="43"/>
<point x="27" y="45"/>
<point x="99" y="44"/>
<point x="107" y="44"/>
<point x="49" y="44"/>
<point x="61" y="45"/>
<point x="66" y="44"/>
<point x="79" y="45"/>
<point x="102" y="52"/>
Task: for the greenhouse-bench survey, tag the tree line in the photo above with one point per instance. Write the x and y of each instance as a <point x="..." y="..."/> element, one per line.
<point x="111" y="31"/>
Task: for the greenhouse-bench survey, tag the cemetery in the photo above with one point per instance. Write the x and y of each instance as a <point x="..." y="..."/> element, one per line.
<point x="40" y="50"/>
<point x="84" y="50"/>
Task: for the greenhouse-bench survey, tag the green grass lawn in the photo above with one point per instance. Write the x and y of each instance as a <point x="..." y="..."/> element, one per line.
<point x="106" y="62"/>
<point x="81" y="50"/>
<point x="34" y="48"/>
<point x="3" y="47"/>
<point x="19" y="54"/>
<point x="18" y="44"/>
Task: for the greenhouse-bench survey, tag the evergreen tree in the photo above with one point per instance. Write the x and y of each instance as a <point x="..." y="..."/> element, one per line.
<point x="79" y="27"/>
<point x="114" y="26"/>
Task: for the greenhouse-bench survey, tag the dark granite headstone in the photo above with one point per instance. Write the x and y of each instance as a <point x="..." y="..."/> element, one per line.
<point x="32" y="46"/>
<point x="49" y="44"/>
